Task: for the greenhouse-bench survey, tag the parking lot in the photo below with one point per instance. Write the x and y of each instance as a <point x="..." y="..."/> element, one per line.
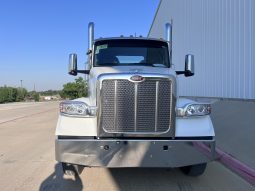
<point x="27" y="161"/>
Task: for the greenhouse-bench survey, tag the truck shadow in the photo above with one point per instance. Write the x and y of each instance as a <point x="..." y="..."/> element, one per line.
<point x="149" y="179"/>
<point x="57" y="181"/>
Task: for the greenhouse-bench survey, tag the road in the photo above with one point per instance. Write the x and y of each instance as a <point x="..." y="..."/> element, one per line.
<point x="27" y="161"/>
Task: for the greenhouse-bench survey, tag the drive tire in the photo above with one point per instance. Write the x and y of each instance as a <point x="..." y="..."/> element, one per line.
<point x="194" y="170"/>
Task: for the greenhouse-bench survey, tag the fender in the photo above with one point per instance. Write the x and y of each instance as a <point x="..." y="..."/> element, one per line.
<point x="75" y="126"/>
<point x="195" y="126"/>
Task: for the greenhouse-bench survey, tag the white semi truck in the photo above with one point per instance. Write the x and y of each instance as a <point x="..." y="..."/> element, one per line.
<point x="133" y="116"/>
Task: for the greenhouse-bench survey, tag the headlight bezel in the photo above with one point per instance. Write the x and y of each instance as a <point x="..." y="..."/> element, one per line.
<point x="186" y="110"/>
<point x="77" y="109"/>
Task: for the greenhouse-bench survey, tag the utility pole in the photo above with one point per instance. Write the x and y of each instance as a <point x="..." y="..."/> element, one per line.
<point x="21" y="83"/>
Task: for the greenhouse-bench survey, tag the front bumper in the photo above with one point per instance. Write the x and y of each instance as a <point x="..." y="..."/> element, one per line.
<point x="134" y="153"/>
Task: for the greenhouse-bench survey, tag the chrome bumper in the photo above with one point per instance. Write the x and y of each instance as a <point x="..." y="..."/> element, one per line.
<point x="134" y="153"/>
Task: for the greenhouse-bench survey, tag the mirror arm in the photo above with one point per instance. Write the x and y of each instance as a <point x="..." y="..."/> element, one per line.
<point x="180" y="72"/>
<point x="72" y="73"/>
<point x="186" y="73"/>
<point x="83" y="71"/>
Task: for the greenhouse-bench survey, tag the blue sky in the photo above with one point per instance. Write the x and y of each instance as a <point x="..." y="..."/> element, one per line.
<point x="36" y="36"/>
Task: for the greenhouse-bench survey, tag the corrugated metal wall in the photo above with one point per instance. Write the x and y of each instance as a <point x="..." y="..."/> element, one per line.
<point x="221" y="35"/>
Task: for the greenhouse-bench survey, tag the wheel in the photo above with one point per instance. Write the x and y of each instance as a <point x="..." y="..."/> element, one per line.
<point x="194" y="170"/>
<point x="70" y="169"/>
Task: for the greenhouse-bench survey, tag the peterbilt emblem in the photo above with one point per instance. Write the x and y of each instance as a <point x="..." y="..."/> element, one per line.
<point x="137" y="78"/>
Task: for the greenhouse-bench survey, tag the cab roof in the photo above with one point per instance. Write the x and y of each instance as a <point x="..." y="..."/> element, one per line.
<point x="131" y="38"/>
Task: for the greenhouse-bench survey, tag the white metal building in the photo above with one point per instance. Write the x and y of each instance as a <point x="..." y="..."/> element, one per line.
<point x="221" y="35"/>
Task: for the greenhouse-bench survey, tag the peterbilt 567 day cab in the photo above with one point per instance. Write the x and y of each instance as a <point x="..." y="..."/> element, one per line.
<point x="133" y="116"/>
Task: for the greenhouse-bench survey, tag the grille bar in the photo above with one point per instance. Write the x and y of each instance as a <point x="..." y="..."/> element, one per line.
<point x="115" y="105"/>
<point x="135" y="113"/>
<point x="156" y="107"/>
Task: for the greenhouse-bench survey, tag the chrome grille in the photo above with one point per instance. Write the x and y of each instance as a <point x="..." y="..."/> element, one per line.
<point x="129" y="107"/>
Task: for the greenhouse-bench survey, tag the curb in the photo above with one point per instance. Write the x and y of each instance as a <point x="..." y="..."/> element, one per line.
<point x="230" y="162"/>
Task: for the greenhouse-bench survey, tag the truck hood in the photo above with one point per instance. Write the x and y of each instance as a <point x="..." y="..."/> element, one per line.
<point x="96" y="71"/>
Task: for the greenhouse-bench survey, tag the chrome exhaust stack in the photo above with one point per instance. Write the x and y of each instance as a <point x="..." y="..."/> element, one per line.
<point x="168" y="38"/>
<point x="90" y="35"/>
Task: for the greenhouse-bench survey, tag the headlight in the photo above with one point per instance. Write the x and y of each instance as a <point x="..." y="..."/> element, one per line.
<point x="196" y="109"/>
<point x="77" y="108"/>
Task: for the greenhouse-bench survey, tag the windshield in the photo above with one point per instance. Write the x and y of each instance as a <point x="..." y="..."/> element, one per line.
<point x="121" y="52"/>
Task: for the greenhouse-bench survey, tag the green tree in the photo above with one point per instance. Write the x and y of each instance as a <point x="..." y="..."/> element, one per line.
<point x="75" y="89"/>
<point x="10" y="94"/>
<point x="36" y="96"/>
<point x="21" y="94"/>
<point x="4" y="94"/>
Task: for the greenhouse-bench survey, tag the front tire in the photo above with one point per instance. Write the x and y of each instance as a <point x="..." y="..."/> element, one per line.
<point x="194" y="170"/>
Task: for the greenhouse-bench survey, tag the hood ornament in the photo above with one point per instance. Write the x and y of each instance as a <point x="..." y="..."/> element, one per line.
<point x="137" y="78"/>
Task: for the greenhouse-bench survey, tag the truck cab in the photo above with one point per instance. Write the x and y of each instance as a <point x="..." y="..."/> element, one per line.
<point x="133" y="115"/>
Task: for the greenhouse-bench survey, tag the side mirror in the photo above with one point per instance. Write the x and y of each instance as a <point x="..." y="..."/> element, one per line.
<point x="189" y="65"/>
<point x="72" y="68"/>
